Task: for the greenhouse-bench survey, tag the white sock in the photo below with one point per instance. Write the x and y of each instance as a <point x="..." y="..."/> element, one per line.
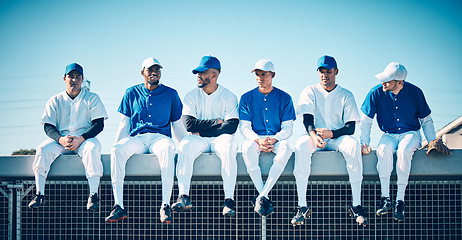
<point x="118" y="190"/>
<point x="166" y="191"/>
<point x="385" y="185"/>
<point x="93" y="182"/>
<point x="301" y="192"/>
<point x="40" y="184"/>
<point x="400" y="194"/>
<point x="356" y="193"/>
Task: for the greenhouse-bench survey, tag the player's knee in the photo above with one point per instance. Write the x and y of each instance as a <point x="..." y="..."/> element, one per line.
<point x="383" y="150"/>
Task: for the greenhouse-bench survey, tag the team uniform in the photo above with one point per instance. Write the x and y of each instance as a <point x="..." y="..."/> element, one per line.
<point x="400" y="117"/>
<point x="331" y="110"/>
<point x="71" y="117"/>
<point x="222" y="104"/>
<point x="148" y="116"/>
<point x="263" y="115"/>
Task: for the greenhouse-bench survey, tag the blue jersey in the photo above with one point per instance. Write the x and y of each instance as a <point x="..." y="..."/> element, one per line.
<point x="266" y="112"/>
<point x="151" y="111"/>
<point x="396" y="113"/>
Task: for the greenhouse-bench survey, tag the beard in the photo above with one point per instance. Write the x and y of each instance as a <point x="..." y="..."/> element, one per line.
<point x="204" y="83"/>
<point x="154" y="83"/>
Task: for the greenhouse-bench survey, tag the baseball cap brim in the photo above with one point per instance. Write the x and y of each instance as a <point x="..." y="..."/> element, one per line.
<point x="200" y="69"/>
<point x="383" y="77"/>
<point x="325" y="66"/>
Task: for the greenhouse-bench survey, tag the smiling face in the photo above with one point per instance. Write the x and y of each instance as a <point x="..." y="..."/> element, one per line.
<point x="73" y="82"/>
<point x="327" y="77"/>
<point x="151" y="76"/>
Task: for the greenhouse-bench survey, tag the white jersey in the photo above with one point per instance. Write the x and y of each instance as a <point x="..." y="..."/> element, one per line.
<point x="73" y="116"/>
<point x="331" y="110"/>
<point x="220" y="104"/>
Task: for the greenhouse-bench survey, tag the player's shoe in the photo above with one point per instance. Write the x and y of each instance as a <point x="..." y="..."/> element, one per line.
<point x="92" y="203"/>
<point x="165" y="214"/>
<point x="263" y="206"/>
<point x="116" y="214"/>
<point x="183" y="203"/>
<point x="385" y="205"/>
<point x="269" y="207"/>
<point x="37" y="201"/>
<point x="228" y="208"/>
<point x="399" y="210"/>
<point x="359" y="214"/>
<point x="301" y="213"/>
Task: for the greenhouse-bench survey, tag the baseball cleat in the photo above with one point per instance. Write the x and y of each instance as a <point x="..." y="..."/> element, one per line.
<point x="228" y="208"/>
<point x="399" y="210"/>
<point x="116" y="214"/>
<point x="165" y="214"/>
<point x="301" y="213"/>
<point x="269" y="207"/>
<point x="359" y="214"/>
<point x="92" y="203"/>
<point x="385" y="205"/>
<point x="263" y="206"/>
<point x="183" y="204"/>
<point x="37" y="201"/>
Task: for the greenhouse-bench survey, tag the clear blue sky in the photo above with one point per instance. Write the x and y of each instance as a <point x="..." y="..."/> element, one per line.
<point x="110" y="39"/>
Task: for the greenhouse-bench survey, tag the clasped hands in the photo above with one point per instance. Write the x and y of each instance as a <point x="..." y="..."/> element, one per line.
<point x="266" y="144"/>
<point x="71" y="143"/>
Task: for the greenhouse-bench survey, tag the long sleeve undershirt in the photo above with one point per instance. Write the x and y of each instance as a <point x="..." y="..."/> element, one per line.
<point x="96" y="127"/>
<point x="348" y="129"/>
<point x="210" y="128"/>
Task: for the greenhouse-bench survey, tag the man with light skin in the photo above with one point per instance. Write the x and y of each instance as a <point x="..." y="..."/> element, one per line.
<point x="211" y="117"/>
<point x="266" y="121"/>
<point x="329" y="116"/>
<point x="72" y="120"/>
<point x="150" y="112"/>
<point x="401" y="111"/>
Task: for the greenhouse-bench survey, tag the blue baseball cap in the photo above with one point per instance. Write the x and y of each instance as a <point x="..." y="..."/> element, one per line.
<point x="326" y="62"/>
<point x="206" y="63"/>
<point x="74" y="66"/>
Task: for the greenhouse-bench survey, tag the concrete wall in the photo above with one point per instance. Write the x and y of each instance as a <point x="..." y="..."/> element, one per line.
<point x="326" y="165"/>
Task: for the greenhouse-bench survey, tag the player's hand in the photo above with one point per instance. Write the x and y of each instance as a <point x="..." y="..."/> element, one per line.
<point x="266" y="144"/>
<point x="195" y="133"/>
<point x="365" y="149"/>
<point x="324" y="133"/>
<point x="220" y="121"/>
<point x="76" y="142"/>
<point x="65" y="141"/>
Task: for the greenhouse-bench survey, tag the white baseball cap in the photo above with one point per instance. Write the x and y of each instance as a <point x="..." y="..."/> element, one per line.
<point x="264" y="65"/>
<point x="147" y="63"/>
<point x="394" y="71"/>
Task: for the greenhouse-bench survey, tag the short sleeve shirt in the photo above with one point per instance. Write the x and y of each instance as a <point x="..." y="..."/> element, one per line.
<point x="396" y="113"/>
<point x="73" y="116"/>
<point x="332" y="109"/>
<point x="266" y="112"/>
<point x="220" y="104"/>
<point x="151" y="111"/>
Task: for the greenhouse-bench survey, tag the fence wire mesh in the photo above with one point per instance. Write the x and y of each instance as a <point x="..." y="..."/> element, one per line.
<point x="434" y="211"/>
<point x="5" y="196"/>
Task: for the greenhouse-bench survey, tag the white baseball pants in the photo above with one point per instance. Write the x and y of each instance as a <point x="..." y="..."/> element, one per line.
<point x="159" y="145"/>
<point x="191" y="147"/>
<point x="404" y="144"/>
<point x="250" y="154"/>
<point x="351" y="151"/>
<point x="89" y="151"/>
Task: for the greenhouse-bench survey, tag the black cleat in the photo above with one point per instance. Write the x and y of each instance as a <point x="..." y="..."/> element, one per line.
<point x="165" y="214"/>
<point x="269" y="207"/>
<point x="37" y="201"/>
<point x="359" y="214"/>
<point x="384" y="207"/>
<point x="228" y="208"/>
<point x="92" y="203"/>
<point x="116" y="214"/>
<point x="263" y="206"/>
<point x="399" y="210"/>
<point x="183" y="204"/>
<point x="301" y="213"/>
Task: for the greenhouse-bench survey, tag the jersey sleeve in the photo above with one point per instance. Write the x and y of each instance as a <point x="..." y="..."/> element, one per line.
<point x="50" y="114"/>
<point x="231" y="108"/>
<point x="244" y="109"/>
<point x="350" y="111"/>
<point x="369" y="106"/>
<point x="423" y="110"/>
<point x="189" y="105"/>
<point x="177" y="108"/>
<point x="306" y="102"/>
<point x="97" y="109"/>
<point x="288" y="112"/>
<point x="125" y="105"/>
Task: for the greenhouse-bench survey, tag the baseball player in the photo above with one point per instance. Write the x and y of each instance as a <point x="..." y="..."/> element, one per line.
<point x="72" y="119"/>
<point x="211" y="117"/>
<point x="266" y="121"/>
<point x="401" y="110"/>
<point x="149" y="113"/>
<point x="329" y="115"/>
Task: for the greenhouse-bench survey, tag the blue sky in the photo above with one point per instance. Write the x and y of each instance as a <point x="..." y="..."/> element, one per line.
<point x="110" y="39"/>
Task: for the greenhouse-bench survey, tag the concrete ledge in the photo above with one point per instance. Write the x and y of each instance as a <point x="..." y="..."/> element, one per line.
<point x="325" y="165"/>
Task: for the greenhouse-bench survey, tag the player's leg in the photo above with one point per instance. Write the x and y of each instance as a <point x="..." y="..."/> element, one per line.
<point x="386" y="148"/>
<point x="164" y="149"/>
<point x="351" y="151"/>
<point x="46" y="153"/>
<point x="225" y="147"/>
<point x="189" y="149"/>
<point x="90" y="151"/>
<point x="250" y="155"/>
<point x="304" y="148"/>
<point x="408" y="144"/>
<point x="120" y="153"/>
